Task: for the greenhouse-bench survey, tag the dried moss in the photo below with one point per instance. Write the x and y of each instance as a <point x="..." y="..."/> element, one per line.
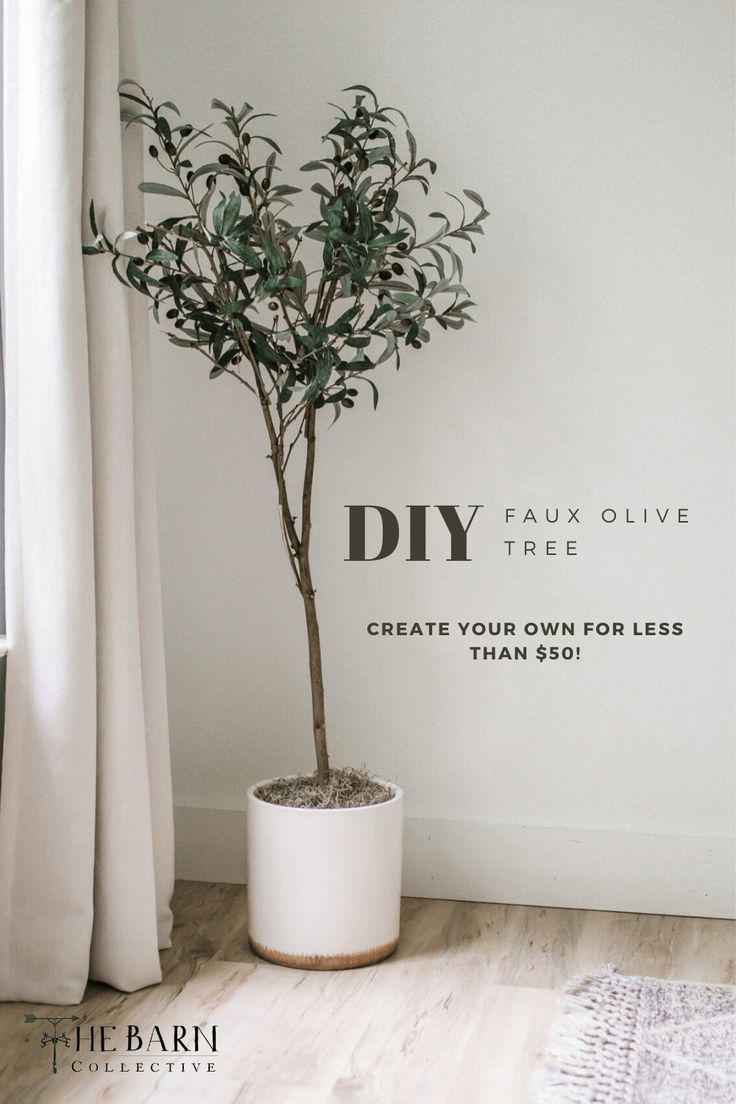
<point x="346" y="788"/>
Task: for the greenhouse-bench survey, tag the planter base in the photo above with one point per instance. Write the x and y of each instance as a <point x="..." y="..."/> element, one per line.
<point x="324" y="962"/>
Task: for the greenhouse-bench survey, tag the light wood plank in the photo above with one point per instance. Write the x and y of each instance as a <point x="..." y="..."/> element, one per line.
<point x="461" y="1012"/>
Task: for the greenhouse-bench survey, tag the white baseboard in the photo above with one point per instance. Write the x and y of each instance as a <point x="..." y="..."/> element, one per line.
<point x="210" y="844"/>
<point x="513" y="864"/>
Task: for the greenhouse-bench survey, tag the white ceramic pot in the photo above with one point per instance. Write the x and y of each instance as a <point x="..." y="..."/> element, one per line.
<point x="324" y="885"/>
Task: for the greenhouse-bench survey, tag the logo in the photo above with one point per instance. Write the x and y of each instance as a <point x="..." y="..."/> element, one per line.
<point x="128" y="1048"/>
<point x="54" y="1039"/>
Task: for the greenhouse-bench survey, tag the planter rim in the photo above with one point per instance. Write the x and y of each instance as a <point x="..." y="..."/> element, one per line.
<point x="250" y="795"/>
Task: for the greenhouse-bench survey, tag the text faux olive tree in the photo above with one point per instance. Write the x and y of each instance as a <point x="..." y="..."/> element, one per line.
<point x="230" y="276"/>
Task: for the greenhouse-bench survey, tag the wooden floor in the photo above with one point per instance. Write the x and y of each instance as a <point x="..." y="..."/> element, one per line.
<point x="459" y="1015"/>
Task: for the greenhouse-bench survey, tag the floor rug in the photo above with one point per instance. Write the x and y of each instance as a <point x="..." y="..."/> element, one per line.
<point x="637" y="1040"/>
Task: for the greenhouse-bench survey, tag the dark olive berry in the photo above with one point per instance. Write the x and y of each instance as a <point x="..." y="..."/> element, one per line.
<point x="138" y="261"/>
<point x="172" y="313"/>
<point x="242" y="187"/>
<point x="362" y="164"/>
<point x="384" y="274"/>
<point x="398" y="269"/>
<point x="347" y="402"/>
<point x="179" y="323"/>
<point x="143" y="238"/>
<point x="224" y="159"/>
<point x="416" y="344"/>
<point x="170" y="149"/>
<point x="153" y="151"/>
<point x="190" y="174"/>
<point x="246" y="139"/>
<point x="273" y="305"/>
<point x="210" y="181"/>
<point x="352" y="391"/>
<point x="186" y="131"/>
<point x="402" y="247"/>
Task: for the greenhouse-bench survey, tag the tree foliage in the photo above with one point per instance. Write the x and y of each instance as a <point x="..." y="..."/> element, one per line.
<point x="229" y="275"/>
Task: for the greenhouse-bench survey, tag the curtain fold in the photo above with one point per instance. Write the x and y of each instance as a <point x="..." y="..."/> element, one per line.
<point x="86" y="836"/>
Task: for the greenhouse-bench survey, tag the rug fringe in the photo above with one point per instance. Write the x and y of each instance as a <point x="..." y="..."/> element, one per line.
<point x="571" y="1075"/>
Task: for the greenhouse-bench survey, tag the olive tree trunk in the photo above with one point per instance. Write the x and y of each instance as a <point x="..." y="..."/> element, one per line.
<point x="297" y="543"/>
<point x="306" y="588"/>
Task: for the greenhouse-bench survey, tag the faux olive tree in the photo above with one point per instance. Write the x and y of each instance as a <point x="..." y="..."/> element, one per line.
<point x="301" y="326"/>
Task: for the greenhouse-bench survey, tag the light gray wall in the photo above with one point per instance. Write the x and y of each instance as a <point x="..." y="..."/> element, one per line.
<point x="598" y="375"/>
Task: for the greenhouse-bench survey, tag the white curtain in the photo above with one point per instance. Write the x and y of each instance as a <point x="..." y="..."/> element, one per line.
<point x="86" y="838"/>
